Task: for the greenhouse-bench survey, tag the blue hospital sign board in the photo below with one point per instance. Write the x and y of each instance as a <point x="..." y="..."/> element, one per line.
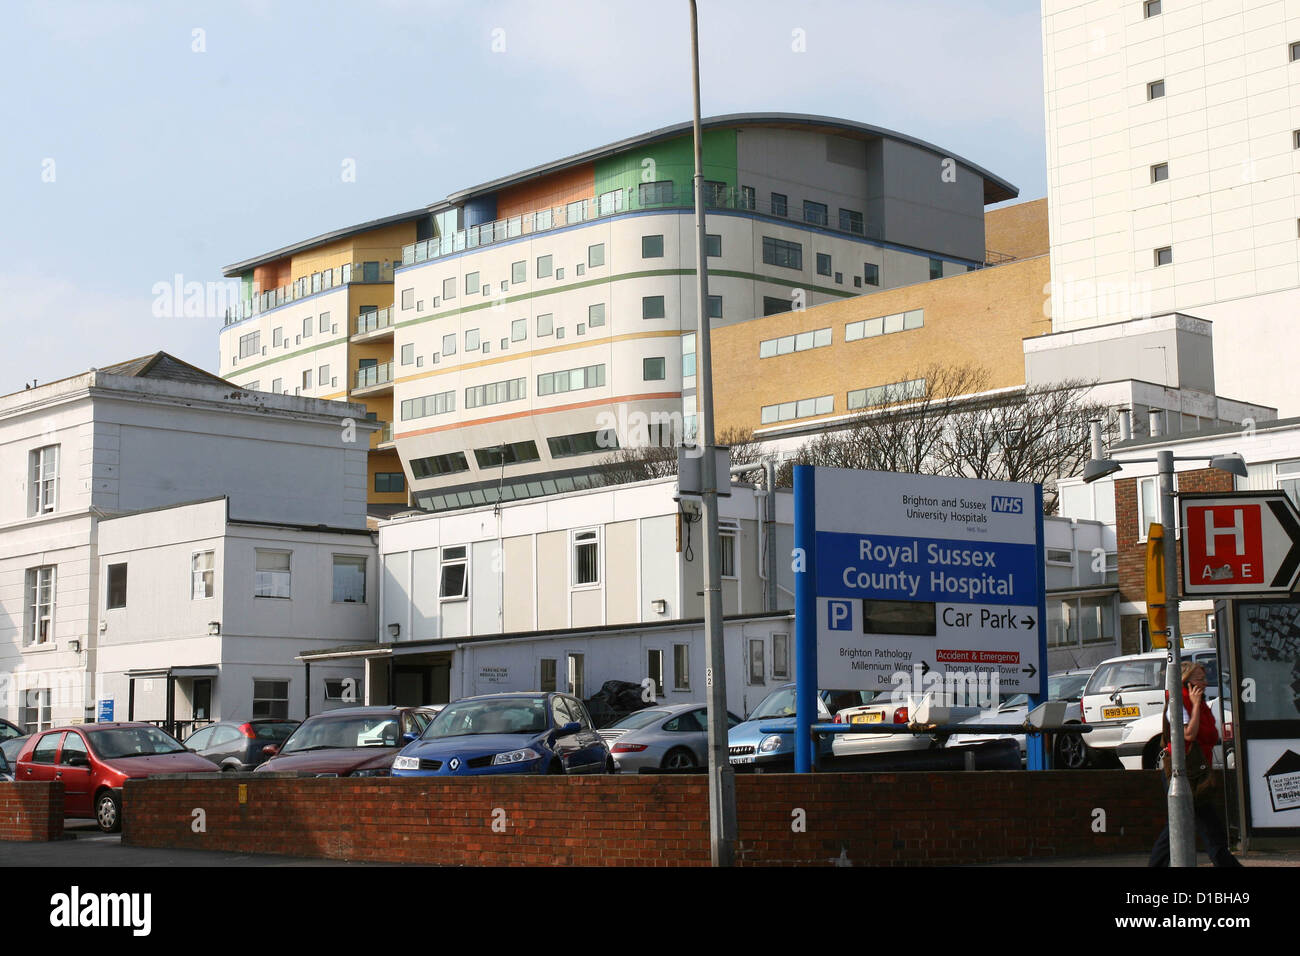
<point x="920" y="575"/>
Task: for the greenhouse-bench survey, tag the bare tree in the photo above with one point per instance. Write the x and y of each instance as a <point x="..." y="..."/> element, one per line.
<point x="640" y="463"/>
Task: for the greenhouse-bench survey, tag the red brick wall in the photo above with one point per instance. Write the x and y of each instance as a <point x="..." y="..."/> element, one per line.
<point x="875" y="819"/>
<point x="31" y="812"/>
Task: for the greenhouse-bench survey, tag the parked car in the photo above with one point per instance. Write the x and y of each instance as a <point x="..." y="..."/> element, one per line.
<point x="749" y="746"/>
<point x="1140" y="746"/>
<point x="673" y="737"/>
<point x="94" y="761"/>
<point x="6" y="771"/>
<point x="237" y="746"/>
<point x="9" y="731"/>
<point x="531" y="732"/>
<point x="883" y="707"/>
<point x="11" y="748"/>
<point x="1124" y="689"/>
<point x="349" y="742"/>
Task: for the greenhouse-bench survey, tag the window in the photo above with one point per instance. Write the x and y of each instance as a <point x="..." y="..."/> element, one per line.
<point x="116" y="586"/>
<point x="652" y="247"/>
<point x="871" y="273"/>
<point x="273" y="575"/>
<point x="271" y="699"/>
<point x="654" y="669"/>
<point x="815" y="212"/>
<point x="547" y="676"/>
<point x="511" y="454"/>
<point x="748" y="199"/>
<point x="802" y="342"/>
<point x="823" y="264"/>
<point x="408" y="354"/>
<point x="518" y="330"/>
<point x="656" y="194"/>
<point x="323" y="376"/>
<point x="609" y="203"/>
<point x="471" y="283"/>
<point x="804" y="407"/>
<point x="1151" y="9"/>
<point x="1148" y="501"/>
<point x="582" y="443"/>
<point x="577" y="685"/>
<point x="306" y="379"/>
<point x="713" y="306"/>
<point x="1156" y="90"/>
<point x="391" y="482"/>
<point x="454" y="582"/>
<point x="570" y="380"/>
<point x="886" y="394"/>
<point x="936" y="268"/>
<point x="34" y="716"/>
<point x="277" y="338"/>
<point x="1295" y="139"/>
<point x="38" y="618"/>
<point x="435" y="465"/>
<point x="881" y="325"/>
<point x="559" y="272"/>
<point x="277" y="385"/>
<point x="449" y="288"/>
<point x="471" y="340"/>
<point x="652" y="369"/>
<point x="545" y="324"/>
<point x="43" y="495"/>
<point x="449" y="344"/>
<point x="495" y="393"/>
<point x="757" y="667"/>
<point x="727" y="548"/>
<point x="713" y="245"/>
<point x="1295" y="52"/>
<point x="715" y="193"/>
<point x="596" y="255"/>
<point x="778" y="252"/>
<point x="780" y="655"/>
<point x="519" y="272"/>
<point x="250" y="344"/>
<point x="1164" y="256"/>
<point x="681" y="667"/>
<point x="1159" y="172"/>
<point x="652" y="307"/>
<point x="688" y="355"/>
<point x="439" y="403"/>
<point x="202" y="575"/>
<point x="850" y="221"/>
<point x="586" y="557"/>
<point x="324" y="321"/>
<point x="778" y="204"/>
<point x="307" y="327"/>
<point x="596" y="315"/>
<point x="580" y="269"/>
<point x="544" y="266"/>
<point x="349" y="579"/>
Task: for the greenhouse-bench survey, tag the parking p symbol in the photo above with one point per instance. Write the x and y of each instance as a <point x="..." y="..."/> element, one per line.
<point x="839" y="615"/>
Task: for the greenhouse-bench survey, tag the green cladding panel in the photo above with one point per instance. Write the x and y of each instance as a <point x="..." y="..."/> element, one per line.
<point x="672" y="159"/>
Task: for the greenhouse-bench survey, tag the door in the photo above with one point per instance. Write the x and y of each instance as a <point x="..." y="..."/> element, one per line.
<point x="73" y="772"/>
<point x="413" y="685"/>
<point x="41" y="766"/>
<point x="202" y="698"/>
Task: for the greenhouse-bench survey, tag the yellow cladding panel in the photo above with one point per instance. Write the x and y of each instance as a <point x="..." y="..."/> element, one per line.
<point x="1019" y="230"/>
<point x="383" y="461"/>
<point x="378" y="245"/>
<point x="979" y="319"/>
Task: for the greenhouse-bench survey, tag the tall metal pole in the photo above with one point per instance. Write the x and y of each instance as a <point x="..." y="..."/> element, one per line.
<point x="1182" y="830"/>
<point x="722" y="779"/>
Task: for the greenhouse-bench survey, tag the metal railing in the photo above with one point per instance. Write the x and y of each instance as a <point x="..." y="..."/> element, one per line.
<point x="310" y="285"/>
<point x="374" y="321"/>
<point x="385" y="433"/>
<point x="374" y="375"/>
<point x="993" y="258"/>
<point x="180" y="729"/>
<point x="613" y="204"/>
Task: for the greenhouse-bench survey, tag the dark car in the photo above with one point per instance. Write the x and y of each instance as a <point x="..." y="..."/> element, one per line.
<point x="6" y="771"/>
<point x="11" y="747"/>
<point x="93" y="761"/>
<point x="530" y="732"/>
<point x="236" y="746"/>
<point x="9" y="731"/>
<point x="351" y="742"/>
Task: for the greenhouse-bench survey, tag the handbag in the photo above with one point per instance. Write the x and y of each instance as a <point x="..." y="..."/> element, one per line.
<point x="1198" y="771"/>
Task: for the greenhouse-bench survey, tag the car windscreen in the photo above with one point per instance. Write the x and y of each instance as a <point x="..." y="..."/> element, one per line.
<point x="1147" y="673"/>
<point x="332" y="733"/>
<point x="132" y="742"/>
<point x="779" y="703"/>
<point x="639" y="719"/>
<point x="1066" y="686"/>
<point x="8" y="732"/>
<point x="507" y="715"/>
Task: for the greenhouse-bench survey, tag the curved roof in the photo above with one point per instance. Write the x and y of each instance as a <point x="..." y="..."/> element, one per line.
<point x="996" y="189"/>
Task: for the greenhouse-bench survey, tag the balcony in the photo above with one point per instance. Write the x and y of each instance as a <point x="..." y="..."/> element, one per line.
<point x="375" y="325"/>
<point x="382" y="437"/>
<point x="586" y="210"/>
<point x="310" y="285"/>
<point x="374" y="380"/>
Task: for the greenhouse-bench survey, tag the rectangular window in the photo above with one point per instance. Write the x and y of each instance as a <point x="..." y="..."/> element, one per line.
<point x="1159" y="172"/>
<point x="802" y="342"/>
<point x="545" y="324"/>
<point x="778" y="252"/>
<point x="1295" y="52"/>
<point x="518" y="330"/>
<point x="306" y="379"/>
<point x="871" y="273"/>
<point x="1155" y="90"/>
<point x="449" y="288"/>
<point x="250" y="344"/>
<point x="886" y="394"/>
<point x="713" y="305"/>
<point x="273" y="577"/>
<point x="471" y="283"/>
<point x="544" y="266"/>
<point x="277" y="385"/>
<point x="713" y="245"/>
<point x="511" y="454"/>
<point x="851" y="221"/>
<point x="440" y="403"/>
<point x="1148" y="505"/>
<point x="936" y="268"/>
<point x="1151" y="9"/>
<point x="781" y="656"/>
<point x="823" y="264"/>
<point x="577" y="683"/>
<point x="748" y="198"/>
<point x="547" y="675"/>
<point x="306" y="327"/>
<point x="34" y="716"/>
<point x="779" y="204"/>
<point x="271" y="699"/>
<point x="44" y="481"/>
<point x="390" y="482"/>
<point x="277" y="338"/>
<point x="652" y="307"/>
<point x="652" y="247"/>
<point x="349" y="579"/>
<point x="202" y="575"/>
<point x="583" y="443"/>
<point x="727" y="546"/>
<point x="681" y="667"/>
<point x="804" y="407"/>
<point x="652" y="369"/>
<point x="757" y="666"/>
<point x="435" y="465"/>
<point x="596" y="255"/>
<point x="656" y="194"/>
<point x="815" y="212"/>
<point x="715" y="193"/>
<point x="654" y="669"/>
<point x="1164" y="256"/>
<point x="688" y="355"/>
<point x="408" y="299"/>
<point x="408" y="354"/>
<point x="519" y="272"/>
<point x="323" y="376"/>
<point x="586" y="557"/>
<point x="449" y="344"/>
<point x="495" y="393"/>
<point x="116" y="586"/>
<point x="596" y="315"/>
<point x="38" y="619"/>
<point x="454" y="581"/>
<point x="471" y="340"/>
<point x="570" y="380"/>
<point x="609" y="203"/>
<point x="325" y="322"/>
<point x="774" y="305"/>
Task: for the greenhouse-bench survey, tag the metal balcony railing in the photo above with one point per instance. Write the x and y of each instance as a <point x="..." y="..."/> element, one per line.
<point x="310" y="285"/>
<point x="374" y="375"/>
<point x="374" y="321"/>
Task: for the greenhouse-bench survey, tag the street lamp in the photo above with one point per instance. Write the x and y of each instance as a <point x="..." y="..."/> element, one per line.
<point x="1182" y="831"/>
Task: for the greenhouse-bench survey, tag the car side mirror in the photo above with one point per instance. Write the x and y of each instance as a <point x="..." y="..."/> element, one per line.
<point x="270" y="750"/>
<point x="410" y="736"/>
<point x="572" y="727"/>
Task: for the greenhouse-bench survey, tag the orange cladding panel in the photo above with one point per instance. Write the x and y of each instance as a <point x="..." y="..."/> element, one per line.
<point x="563" y="187"/>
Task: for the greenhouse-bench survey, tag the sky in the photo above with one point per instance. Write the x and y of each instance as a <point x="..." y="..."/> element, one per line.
<point x="150" y="144"/>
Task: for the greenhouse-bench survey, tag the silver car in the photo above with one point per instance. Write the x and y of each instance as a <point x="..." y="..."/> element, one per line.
<point x="664" y="737"/>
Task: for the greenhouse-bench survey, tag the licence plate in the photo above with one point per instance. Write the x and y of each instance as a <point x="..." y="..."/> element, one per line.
<point x="1114" y="713"/>
<point x="746" y="759"/>
<point x="867" y="719"/>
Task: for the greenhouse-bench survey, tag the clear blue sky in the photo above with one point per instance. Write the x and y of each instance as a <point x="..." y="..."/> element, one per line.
<point x="129" y="157"/>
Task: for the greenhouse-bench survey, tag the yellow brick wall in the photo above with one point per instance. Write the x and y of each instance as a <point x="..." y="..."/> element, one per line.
<point x="979" y="318"/>
<point x="1019" y="230"/>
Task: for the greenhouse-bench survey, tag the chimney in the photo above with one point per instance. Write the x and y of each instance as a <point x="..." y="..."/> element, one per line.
<point x="1125" y="424"/>
<point x="1155" y="420"/>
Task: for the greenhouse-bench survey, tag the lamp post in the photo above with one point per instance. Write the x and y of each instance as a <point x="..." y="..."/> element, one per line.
<point x="1182" y="830"/>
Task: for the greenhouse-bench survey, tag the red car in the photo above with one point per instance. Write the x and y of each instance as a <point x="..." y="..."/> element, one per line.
<point x="93" y="761"/>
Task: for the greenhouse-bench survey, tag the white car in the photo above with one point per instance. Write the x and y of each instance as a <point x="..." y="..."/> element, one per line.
<point x="888" y="708"/>
<point x="1014" y="710"/>
<point x="1124" y="690"/>
<point x="1139" y="749"/>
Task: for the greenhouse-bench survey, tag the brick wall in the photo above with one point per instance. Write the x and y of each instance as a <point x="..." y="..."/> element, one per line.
<point x="865" y="819"/>
<point x="31" y="812"/>
<point x="1019" y="230"/>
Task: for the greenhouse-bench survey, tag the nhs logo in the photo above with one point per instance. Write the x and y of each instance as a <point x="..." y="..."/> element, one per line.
<point x="1009" y="504"/>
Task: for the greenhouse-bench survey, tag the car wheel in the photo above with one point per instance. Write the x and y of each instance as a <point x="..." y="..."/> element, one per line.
<point x="1071" y="753"/>
<point x="108" y="812"/>
<point x="1151" y="755"/>
<point x="679" y="758"/>
<point x="230" y="768"/>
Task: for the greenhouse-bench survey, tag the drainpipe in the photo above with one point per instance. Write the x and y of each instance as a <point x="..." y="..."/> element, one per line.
<point x="769" y="528"/>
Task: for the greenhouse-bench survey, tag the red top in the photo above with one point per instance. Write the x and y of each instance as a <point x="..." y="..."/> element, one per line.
<point x="1207" y="732"/>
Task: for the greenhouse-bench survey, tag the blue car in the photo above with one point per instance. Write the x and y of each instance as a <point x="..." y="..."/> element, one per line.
<point x="749" y="748"/>
<point x="507" y="733"/>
